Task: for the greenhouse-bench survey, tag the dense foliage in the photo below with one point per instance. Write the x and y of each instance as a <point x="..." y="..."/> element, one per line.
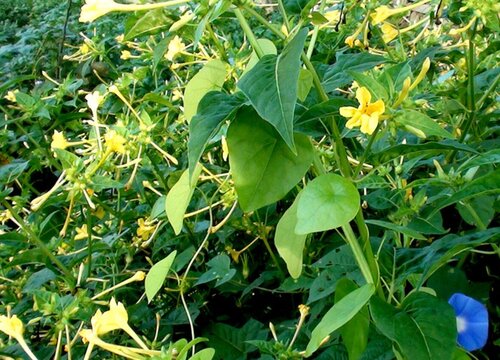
<point x="235" y="180"/>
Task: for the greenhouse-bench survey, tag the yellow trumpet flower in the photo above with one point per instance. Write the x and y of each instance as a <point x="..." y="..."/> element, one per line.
<point x="94" y="9"/>
<point x="115" y="142"/>
<point x="367" y="115"/>
<point x="13" y="327"/>
<point x="383" y="12"/>
<point x="175" y="46"/>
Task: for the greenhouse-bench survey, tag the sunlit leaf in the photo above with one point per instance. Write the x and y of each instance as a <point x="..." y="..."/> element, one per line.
<point x="157" y="274"/>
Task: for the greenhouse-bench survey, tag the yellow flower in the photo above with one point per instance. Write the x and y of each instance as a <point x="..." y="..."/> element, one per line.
<point x="12" y="326"/>
<point x="367" y="115"/>
<point x="175" y="46"/>
<point x="125" y="55"/>
<point x="145" y="229"/>
<point x="389" y="33"/>
<point x="425" y="67"/>
<point x="350" y="41"/>
<point x="93" y="101"/>
<point x="115" y="142"/>
<point x="59" y="141"/>
<point x="94" y="9"/>
<point x="383" y="12"/>
<point x="115" y="318"/>
<point x="11" y="96"/>
<point x="81" y="233"/>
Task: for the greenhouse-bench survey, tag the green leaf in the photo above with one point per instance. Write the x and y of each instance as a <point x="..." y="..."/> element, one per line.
<point x="483" y="208"/>
<point x="424" y="328"/>
<point x="398" y="228"/>
<point x="267" y="47"/>
<point x="305" y="84"/>
<point x="422" y="122"/>
<point x="205" y="354"/>
<point x="296" y="7"/>
<point x="271" y="86"/>
<point x="337" y="75"/>
<point x="355" y="331"/>
<point x="210" y="77"/>
<point x="157" y="274"/>
<point x="338" y="315"/>
<point x="485" y="185"/>
<point x="213" y="110"/>
<point x="150" y="22"/>
<point x="11" y="171"/>
<point x="428" y="148"/>
<point x="178" y="198"/>
<point x="327" y="202"/>
<point x="377" y="90"/>
<point x="219" y="269"/>
<point x="310" y="121"/>
<point x="290" y="245"/>
<point x="264" y="169"/>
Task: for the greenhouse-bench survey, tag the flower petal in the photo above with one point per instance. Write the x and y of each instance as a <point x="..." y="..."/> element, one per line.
<point x="378" y="106"/>
<point x="473" y="333"/>
<point x="363" y="96"/>
<point x="347" y="111"/>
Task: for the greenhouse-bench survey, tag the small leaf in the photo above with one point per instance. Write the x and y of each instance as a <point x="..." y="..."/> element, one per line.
<point x="267" y="47"/>
<point x="398" y="228"/>
<point x="377" y="90"/>
<point x="327" y="202"/>
<point x="11" y="171"/>
<point x="290" y="245"/>
<point x="338" y="315"/>
<point x="205" y="354"/>
<point x="178" y="198"/>
<point x="421" y="122"/>
<point x="271" y="86"/>
<point x="152" y="21"/>
<point x="264" y="168"/>
<point x="305" y="84"/>
<point x="210" y="77"/>
<point x="157" y="274"/>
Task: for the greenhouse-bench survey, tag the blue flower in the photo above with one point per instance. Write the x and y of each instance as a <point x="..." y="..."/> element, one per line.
<point x="472" y="321"/>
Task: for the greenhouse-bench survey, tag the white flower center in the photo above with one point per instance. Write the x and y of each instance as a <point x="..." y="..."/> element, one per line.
<point x="461" y="324"/>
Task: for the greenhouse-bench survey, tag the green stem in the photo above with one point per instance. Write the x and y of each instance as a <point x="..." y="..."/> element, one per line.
<point x="358" y="253"/>
<point x="283" y="13"/>
<point x="249" y="33"/>
<point x="471" y="103"/>
<point x="264" y="22"/>
<point x="314" y="35"/>
<point x="488" y="92"/>
<point x="33" y="238"/>
<point x="273" y="256"/>
<point x="365" y="153"/>
<point x="218" y="45"/>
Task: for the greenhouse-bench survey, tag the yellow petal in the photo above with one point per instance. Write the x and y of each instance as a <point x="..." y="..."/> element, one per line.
<point x="369" y="123"/>
<point x="388" y="32"/>
<point x="12" y="326"/>
<point x="347" y="111"/>
<point x="377" y="107"/>
<point x="354" y="121"/>
<point x="363" y="96"/>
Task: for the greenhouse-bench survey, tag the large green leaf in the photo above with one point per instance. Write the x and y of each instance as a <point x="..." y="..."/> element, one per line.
<point x="355" y="331"/>
<point x="264" y="169"/>
<point x="213" y="110"/>
<point x="422" y="122"/>
<point x="157" y="274"/>
<point x="337" y="76"/>
<point x="178" y="198"/>
<point x="424" y="328"/>
<point x="338" y="315"/>
<point x="210" y="77"/>
<point x="290" y="245"/>
<point x="327" y="202"/>
<point x="271" y="87"/>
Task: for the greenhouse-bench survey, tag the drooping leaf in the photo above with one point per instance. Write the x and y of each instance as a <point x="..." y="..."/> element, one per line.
<point x="178" y="198"/>
<point x="271" y="86"/>
<point x="219" y="269"/>
<point x="264" y="169"/>
<point x="290" y="245"/>
<point x="152" y="21"/>
<point x="157" y="274"/>
<point x="355" y="331"/>
<point x="421" y="122"/>
<point x="327" y="202"/>
<point x="338" y="315"/>
<point x="429" y="148"/>
<point x="337" y="76"/>
<point x="213" y="109"/>
<point x="210" y="77"/>
<point x="424" y="328"/>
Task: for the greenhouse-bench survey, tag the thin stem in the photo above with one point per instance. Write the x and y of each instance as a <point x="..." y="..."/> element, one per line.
<point x="471" y="104"/>
<point x="264" y="22"/>
<point x="314" y="35"/>
<point x="358" y="253"/>
<point x="273" y="256"/>
<point x="249" y="33"/>
<point x="218" y="45"/>
<point x="365" y="152"/>
<point x="283" y="13"/>
<point x="40" y="244"/>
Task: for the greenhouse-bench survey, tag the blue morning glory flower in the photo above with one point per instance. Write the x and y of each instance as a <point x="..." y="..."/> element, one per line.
<point x="472" y="321"/>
